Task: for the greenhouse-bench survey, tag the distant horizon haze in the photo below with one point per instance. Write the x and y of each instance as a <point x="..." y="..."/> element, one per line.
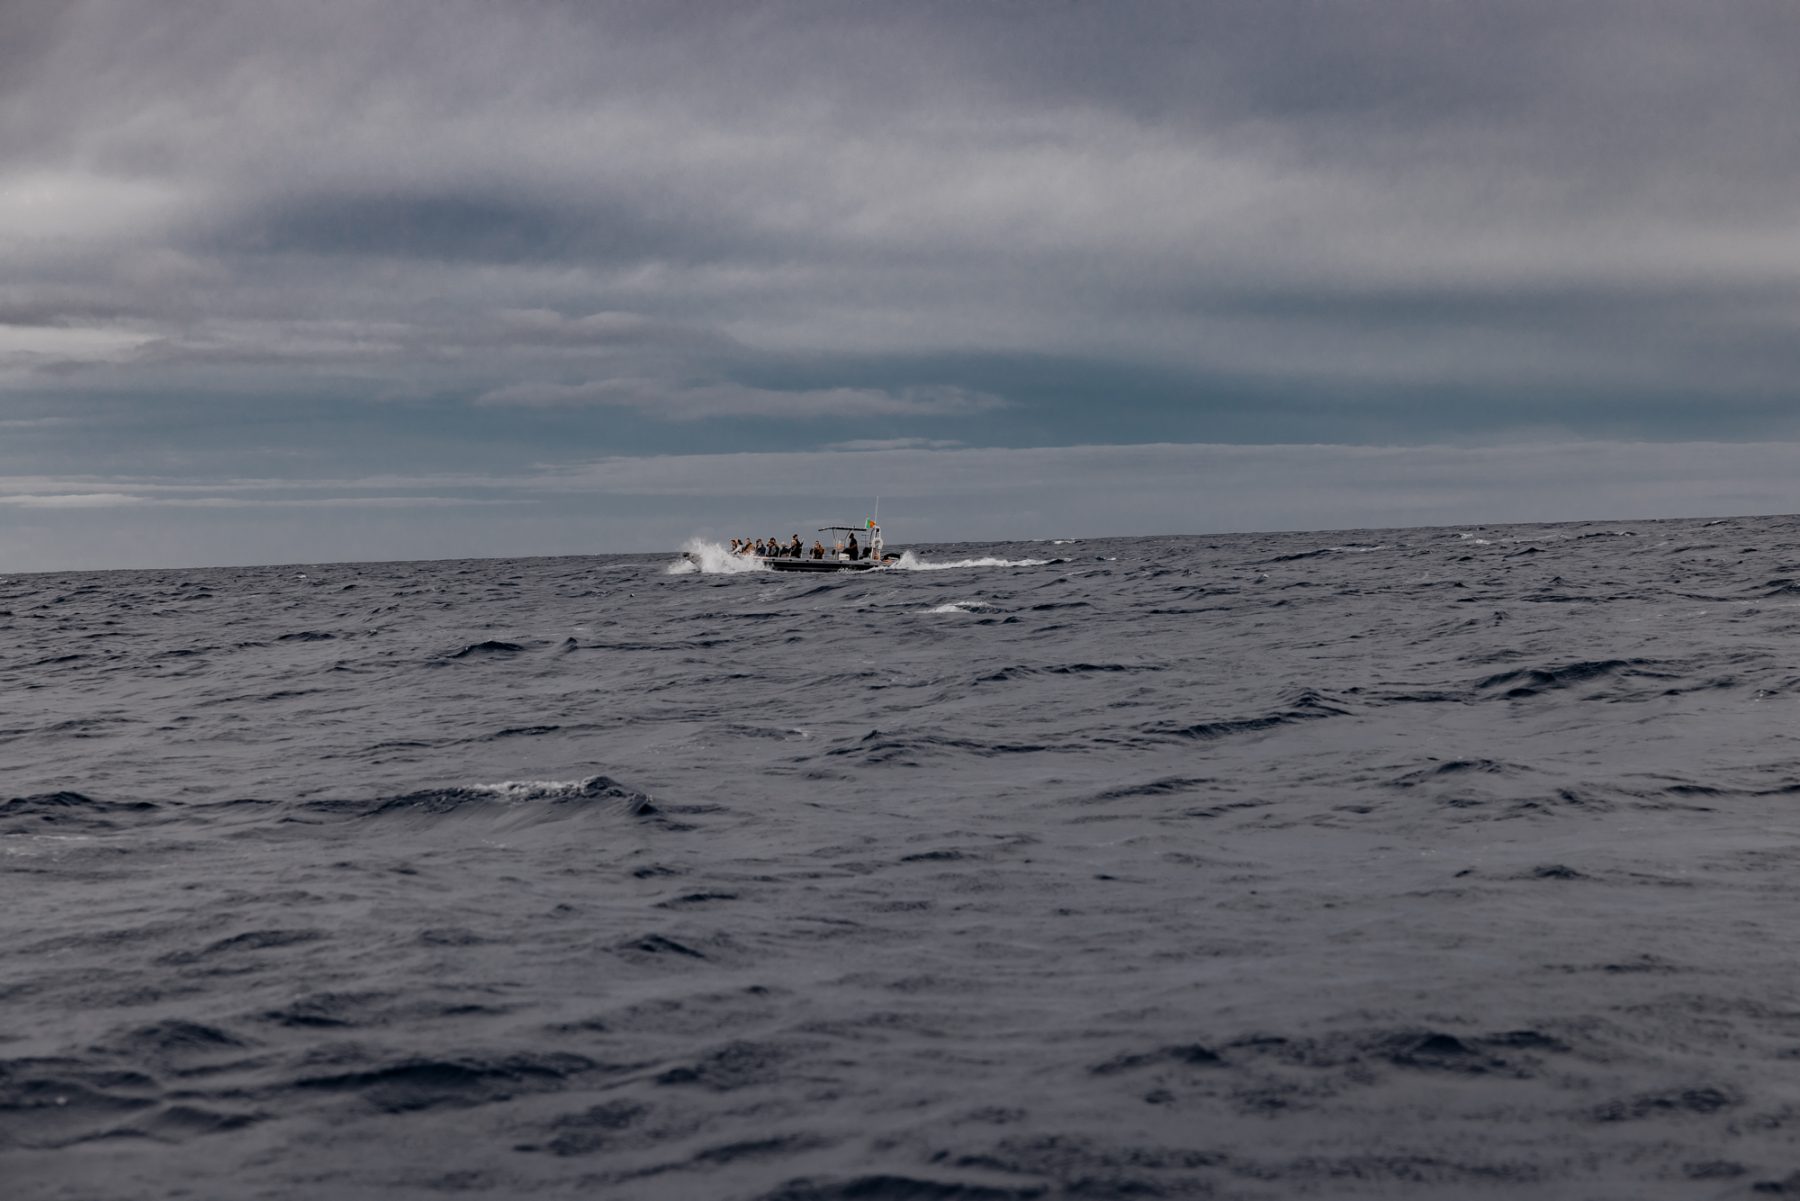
<point x="1296" y="489"/>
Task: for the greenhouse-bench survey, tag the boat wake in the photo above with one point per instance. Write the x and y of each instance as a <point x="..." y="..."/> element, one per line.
<point x="699" y="556"/>
<point x="711" y="558"/>
<point x="911" y="562"/>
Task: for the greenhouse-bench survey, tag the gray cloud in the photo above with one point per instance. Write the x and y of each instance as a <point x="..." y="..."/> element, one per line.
<point x="121" y="500"/>
<point x="895" y="444"/>
<point x="1363" y="221"/>
<point x="692" y="403"/>
<point x="547" y="327"/>
<point x="71" y="500"/>
<point x="1538" y="471"/>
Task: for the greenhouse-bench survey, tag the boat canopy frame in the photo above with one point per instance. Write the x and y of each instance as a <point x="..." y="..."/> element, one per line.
<point x="871" y="528"/>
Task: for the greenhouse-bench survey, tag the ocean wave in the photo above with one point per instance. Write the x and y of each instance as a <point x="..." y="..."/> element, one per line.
<point x="490" y="647"/>
<point x="510" y="805"/>
<point x="483" y="957"/>
<point x="69" y="810"/>
<point x="907" y="747"/>
<point x="968" y="606"/>
<point x="1322" y="551"/>
<point x="426" y="1082"/>
<point x="517" y="793"/>
<point x="1534" y="681"/>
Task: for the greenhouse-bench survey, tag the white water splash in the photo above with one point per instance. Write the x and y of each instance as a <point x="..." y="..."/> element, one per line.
<point x="911" y="562"/>
<point x="711" y="558"/>
<point x="530" y="790"/>
<point x="968" y="606"/>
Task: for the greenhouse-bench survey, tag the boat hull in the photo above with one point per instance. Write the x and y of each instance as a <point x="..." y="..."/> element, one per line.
<point x="783" y="564"/>
<point x="821" y="564"/>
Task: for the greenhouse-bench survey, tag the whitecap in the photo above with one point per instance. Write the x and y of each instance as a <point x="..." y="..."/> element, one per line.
<point x="968" y="606"/>
<point x="531" y="790"/>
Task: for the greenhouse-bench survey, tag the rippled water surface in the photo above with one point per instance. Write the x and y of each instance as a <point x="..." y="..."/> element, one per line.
<point x="1386" y="863"/>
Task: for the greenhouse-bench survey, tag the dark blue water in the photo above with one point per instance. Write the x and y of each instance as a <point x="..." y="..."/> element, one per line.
<point x="1433" y="863"/>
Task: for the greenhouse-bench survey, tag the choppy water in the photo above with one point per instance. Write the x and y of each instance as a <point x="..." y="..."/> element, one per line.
<point x="1390" y="863"/>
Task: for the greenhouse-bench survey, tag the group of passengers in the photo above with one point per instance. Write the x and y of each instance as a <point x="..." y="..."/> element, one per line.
<point x="770" y="548"/>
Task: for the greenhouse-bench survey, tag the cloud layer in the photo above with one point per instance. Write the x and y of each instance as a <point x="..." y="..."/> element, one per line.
<point x="457" y="238"/>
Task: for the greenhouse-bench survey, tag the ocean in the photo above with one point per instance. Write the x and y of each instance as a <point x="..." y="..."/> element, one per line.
<point x="1381" y="863"/>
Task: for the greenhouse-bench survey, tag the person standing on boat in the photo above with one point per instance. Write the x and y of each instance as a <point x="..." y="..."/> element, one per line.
<point x="795" y="550"/>
<point x="852" y="548"/>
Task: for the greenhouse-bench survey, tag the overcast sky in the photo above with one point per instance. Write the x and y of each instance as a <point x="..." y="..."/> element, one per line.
<point x="384" y="279"/>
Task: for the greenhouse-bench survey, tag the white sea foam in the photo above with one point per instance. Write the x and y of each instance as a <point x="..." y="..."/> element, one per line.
<point x="968" y="606"/>
<point x="531" y="790"/>
<point x="911" y="562"/>
<point x="55" y="846"/>
<point x="711" y="558"/>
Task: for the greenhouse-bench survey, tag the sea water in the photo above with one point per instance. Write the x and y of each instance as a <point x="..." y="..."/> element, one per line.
<point x="1430" y="862"/>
